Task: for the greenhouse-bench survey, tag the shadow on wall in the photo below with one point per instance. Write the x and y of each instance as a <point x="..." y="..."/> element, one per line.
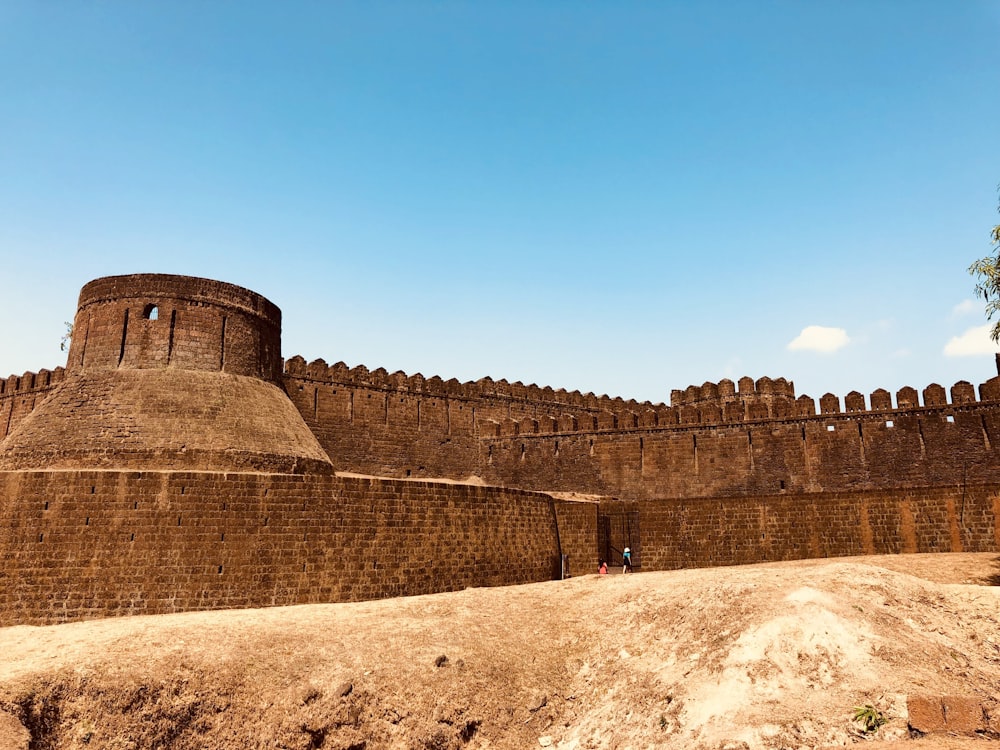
<point x="994" y="580"/>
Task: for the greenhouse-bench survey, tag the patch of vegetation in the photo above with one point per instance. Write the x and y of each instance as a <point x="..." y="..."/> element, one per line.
<point x="869" y="717"/>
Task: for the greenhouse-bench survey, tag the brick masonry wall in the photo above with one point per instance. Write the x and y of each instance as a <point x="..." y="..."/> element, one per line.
<point x="734" y="531"/>
<point x="158" y="320"/>
<point x="578" y="535"/>
<point x="926" y="447"/>
<point x="20" y="394"/>
<point x="159" y="419"/>
<point x="372" y="422"/>
<point x="524" y="436"/>
<point x="83" y="544"/>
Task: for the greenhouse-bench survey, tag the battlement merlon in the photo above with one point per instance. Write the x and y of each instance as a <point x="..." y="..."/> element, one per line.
<point x="31" y="381"/>
<point x="724" y="393"/>
<point x="484" y="388"/>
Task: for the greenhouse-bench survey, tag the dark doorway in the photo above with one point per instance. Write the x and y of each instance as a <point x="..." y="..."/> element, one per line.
<point x="615" y="532"/>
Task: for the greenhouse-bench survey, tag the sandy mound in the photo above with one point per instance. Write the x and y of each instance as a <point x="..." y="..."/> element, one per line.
<point x="770" y="656"/>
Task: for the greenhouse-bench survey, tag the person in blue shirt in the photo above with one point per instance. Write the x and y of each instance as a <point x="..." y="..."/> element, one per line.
<point x="627" y="560"/>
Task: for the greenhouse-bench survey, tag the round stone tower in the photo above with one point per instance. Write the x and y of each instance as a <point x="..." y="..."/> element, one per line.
<point x="169" y="372"/>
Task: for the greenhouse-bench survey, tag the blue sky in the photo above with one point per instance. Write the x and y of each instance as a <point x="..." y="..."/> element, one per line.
<point x="622" y="198"/>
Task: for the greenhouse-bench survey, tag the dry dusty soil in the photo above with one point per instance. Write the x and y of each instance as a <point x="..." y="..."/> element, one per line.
<point x="761" y="656"/>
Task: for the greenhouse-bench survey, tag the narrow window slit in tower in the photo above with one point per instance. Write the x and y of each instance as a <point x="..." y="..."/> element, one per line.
<point x="222" y="346"/>
<point x="92" y="489"/>
<point x="41" y="537"/>
<point x="86" y="335"/>
<point x="121" y="351"/>
<point x="87" y="522"/>
<point x="222" y="537"/>
<point x="522" y="451"/>
<point x="132" y="537"/>
<point x="266" y="519"/>
<point x="135" y="505"/>
<point x="170" y="337"/>
<point x="220" y="570"/>
<point x="556" y="448"/>
<point x="178" y="520"/>
<point x="315" y="403"/>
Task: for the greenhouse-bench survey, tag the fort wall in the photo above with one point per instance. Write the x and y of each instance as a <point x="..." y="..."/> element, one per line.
<point x="923" y="447"/>
<point x="145" y="321"/>
<point x="403" y="425"/>
<point x="86" y="544"/>
<point x="734" y="531"/>
<point x="164" y="372"/>
<point x="719" y="439"/>
<point x="20" y="394"/>
<point x="177" y="464"/>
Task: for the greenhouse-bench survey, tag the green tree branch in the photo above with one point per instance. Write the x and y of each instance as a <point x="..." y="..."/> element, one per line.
<point x="987" y="273"/>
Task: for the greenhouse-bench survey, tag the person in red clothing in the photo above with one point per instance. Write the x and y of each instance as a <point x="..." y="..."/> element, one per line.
<point x="603" y="570"/>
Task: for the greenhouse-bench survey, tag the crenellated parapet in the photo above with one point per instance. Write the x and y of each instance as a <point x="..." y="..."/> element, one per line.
<point x="31" y="382"/>
<point x="746" y="401"/>
<point x="20" y="394"/>
<point x="726" y="391"/>
<point x="475" y="390"/>
<point x="767" y="398"/>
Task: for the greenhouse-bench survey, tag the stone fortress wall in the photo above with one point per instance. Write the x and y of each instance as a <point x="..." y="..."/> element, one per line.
<point x="174" y="464"/>
<point x="165" y="469"/>
<point x="714" y="440"/>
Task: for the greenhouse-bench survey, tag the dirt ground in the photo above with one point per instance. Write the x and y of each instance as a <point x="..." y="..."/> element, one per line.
<point x="761" y="656"/>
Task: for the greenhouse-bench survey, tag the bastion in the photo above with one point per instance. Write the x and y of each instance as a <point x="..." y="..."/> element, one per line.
<point x="177" y="462"/>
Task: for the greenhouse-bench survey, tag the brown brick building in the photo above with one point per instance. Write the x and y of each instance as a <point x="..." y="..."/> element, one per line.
<point x="176" y="464"/>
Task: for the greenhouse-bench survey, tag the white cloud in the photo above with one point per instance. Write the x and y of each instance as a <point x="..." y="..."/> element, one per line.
<point x="974" y="341"/>
<point x="820" y="339"/>
<point x="965" y="307"/>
